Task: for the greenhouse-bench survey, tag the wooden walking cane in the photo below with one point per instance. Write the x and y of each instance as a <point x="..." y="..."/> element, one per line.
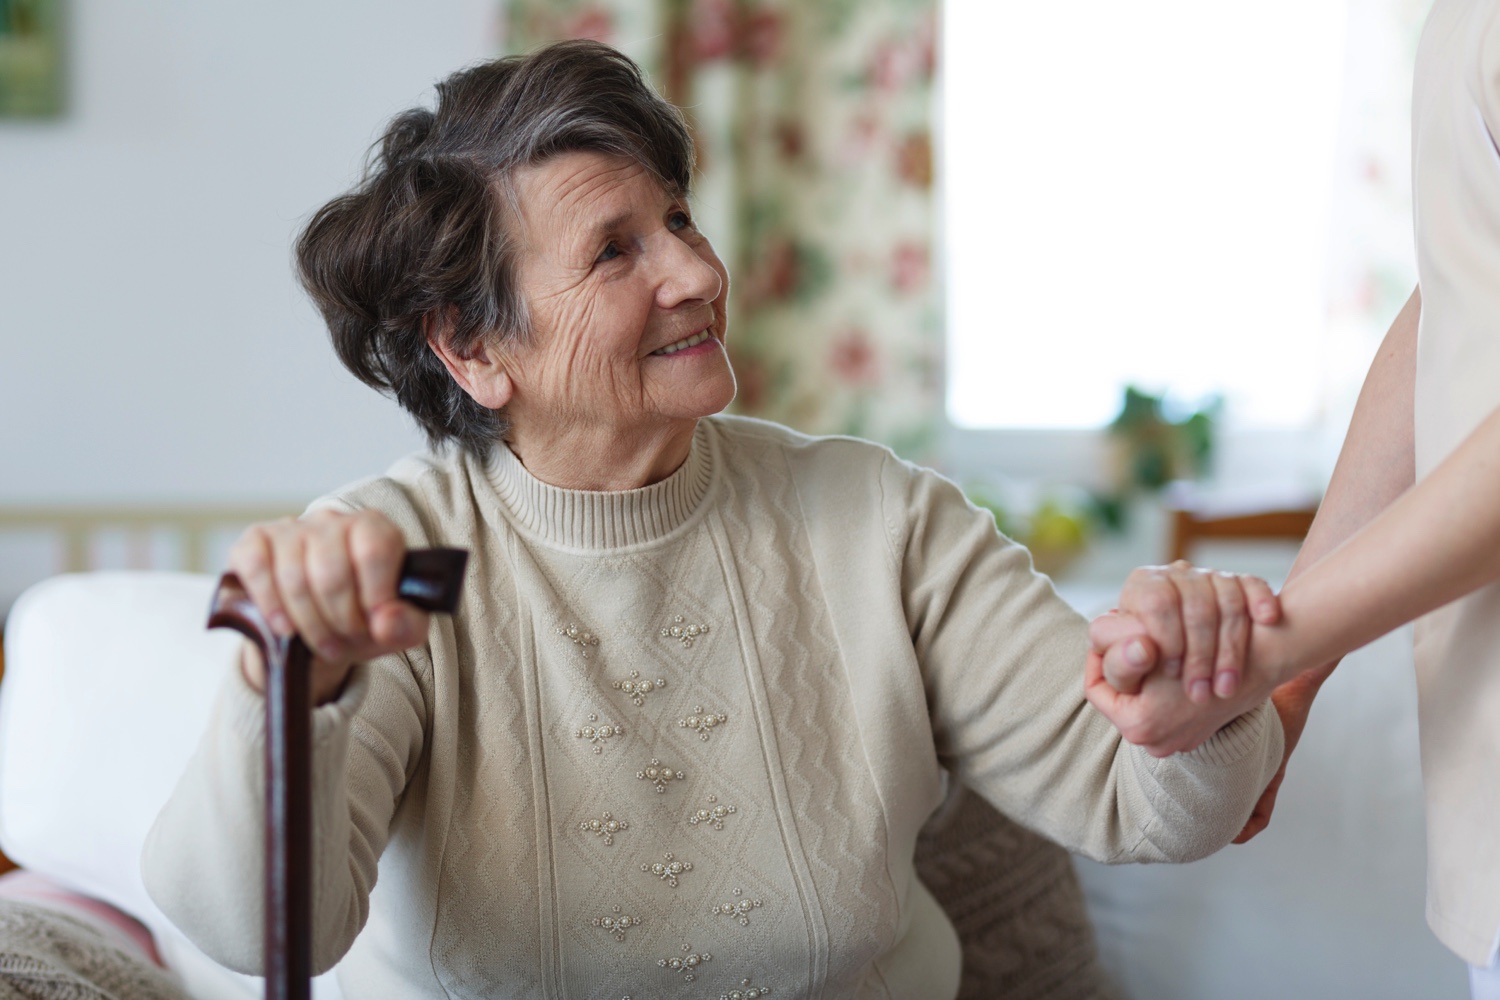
<point x="430" y="579"/>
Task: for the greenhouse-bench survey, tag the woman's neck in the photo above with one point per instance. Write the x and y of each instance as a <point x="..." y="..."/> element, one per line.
<point x="603" y="459"/>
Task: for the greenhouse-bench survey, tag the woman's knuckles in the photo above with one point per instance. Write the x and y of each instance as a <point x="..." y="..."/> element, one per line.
<point x="1200" y="608"/>
<point x="1149" y="596"/>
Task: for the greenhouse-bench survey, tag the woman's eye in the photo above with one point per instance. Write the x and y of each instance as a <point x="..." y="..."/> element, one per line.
<point x="610" y="252"/>
<point x="679" y="221"/>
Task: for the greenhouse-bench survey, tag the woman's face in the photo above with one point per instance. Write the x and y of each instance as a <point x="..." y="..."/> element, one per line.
<point x="626" y="302"/>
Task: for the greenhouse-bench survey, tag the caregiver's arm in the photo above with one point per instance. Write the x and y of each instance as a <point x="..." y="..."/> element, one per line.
<point x="1375" y="466"/>
<point x="1377" y="463"/>
<point x="1439" y="541"/>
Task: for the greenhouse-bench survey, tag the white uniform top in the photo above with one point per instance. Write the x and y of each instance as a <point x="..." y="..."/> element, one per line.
<point x="1456" y="190"/>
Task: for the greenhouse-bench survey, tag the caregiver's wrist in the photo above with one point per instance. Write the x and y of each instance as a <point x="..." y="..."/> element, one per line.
<point x="1274" y="661"/>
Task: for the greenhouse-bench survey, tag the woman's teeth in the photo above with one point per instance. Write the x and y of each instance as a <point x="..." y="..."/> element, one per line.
<point x="686" y="342"/>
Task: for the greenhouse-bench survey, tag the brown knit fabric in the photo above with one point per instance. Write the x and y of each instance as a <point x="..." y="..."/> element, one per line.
<point x="1017" y="905"/>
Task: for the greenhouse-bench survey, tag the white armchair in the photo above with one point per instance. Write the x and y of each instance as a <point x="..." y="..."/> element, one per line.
<point x="108" y="682"/>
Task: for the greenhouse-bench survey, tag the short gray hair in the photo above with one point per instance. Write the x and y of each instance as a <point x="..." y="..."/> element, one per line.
<point x="422" y="239"/>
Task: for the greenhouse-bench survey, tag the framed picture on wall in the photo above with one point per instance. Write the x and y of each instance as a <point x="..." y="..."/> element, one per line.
<point x="31" y="58"/>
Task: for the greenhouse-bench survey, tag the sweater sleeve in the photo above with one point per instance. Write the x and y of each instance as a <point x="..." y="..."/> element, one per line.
<point x="203" y="861"/>
<point x="1002" y="659"/>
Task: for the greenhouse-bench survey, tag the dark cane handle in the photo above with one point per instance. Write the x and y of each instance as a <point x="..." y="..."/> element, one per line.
<point x="431" y="579"/>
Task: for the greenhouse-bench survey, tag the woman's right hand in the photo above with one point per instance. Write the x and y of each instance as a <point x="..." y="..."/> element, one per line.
<point x="329" y="577"/>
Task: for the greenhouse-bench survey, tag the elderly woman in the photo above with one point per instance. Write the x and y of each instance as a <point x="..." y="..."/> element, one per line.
<point x="708" y="674"/>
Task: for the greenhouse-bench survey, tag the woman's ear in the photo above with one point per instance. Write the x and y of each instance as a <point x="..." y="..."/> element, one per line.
<point x="479" y="370"/>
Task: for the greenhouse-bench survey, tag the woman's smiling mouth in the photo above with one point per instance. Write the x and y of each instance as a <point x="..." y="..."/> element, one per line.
<point x="684" y="343"/>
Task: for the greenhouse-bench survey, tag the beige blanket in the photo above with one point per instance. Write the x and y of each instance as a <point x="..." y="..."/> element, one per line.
<point x="48" y="955"/>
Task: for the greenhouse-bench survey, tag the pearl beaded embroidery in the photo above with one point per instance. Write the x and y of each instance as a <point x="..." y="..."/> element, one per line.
<point x="668" y="869"/>
<point x="617" y="923"/>
<point x="638" y="689"/>
<point x="605" y="827"/>
<point x="597" y="735"/>
<point x="703" y="723"/>
<point x="739" y="908"/>
<point x="582" y="638"/>
<point x="683" y="632"/>
<point x="714" y="814"/>
<point x="686" y="964"/>
<point x="658" y="775"/>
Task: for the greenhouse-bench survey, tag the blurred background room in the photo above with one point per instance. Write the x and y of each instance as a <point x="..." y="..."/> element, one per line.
<point x="1118" y="269"/>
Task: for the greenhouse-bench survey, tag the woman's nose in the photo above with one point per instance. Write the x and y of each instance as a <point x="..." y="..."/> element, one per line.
<point x="687" y="276"/>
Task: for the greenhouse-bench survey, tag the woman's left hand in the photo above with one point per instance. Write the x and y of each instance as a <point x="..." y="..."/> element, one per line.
<point x="1191" y="623"/>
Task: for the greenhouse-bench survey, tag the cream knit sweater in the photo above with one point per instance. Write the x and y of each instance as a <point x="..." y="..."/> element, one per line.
<point x="679" y="741"/>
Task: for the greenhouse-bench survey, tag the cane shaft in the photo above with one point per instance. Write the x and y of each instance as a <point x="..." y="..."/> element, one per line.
<point x="430" y="579"/>
<point x="288" y="916"/>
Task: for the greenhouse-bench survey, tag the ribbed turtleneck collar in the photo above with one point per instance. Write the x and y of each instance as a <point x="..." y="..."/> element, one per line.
<point x="584" y="519"/>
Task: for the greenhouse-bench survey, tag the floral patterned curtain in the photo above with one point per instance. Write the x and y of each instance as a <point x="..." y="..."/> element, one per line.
<point x="814" y="127"/>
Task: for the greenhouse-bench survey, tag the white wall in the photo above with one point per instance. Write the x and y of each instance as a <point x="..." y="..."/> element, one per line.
<point x="153" y="343"/>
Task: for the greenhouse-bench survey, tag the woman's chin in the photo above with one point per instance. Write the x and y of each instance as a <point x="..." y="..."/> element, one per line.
<point x="707" y="403"/>
<point x="710" y="397"/>
<point x="727" y="397"/>
<point x="698" y="385"/>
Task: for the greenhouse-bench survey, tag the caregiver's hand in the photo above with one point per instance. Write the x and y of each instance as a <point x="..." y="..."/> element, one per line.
<point x="1159" y="716"/>
<point x="1192" y="623"/>
<point x="330" y="578"/>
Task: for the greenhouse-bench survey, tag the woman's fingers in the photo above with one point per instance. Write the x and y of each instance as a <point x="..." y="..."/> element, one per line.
<point x="1201" y="621"/>
<point x="290" y="551"/>
<point x="1244" y="602"/>
<point x="1096" y="688"/>
<point x="250" y="560"/>
<point x="1265" y="606"/>
<point x="331" y="578"/>
<point x="1200" y="626"/>
<point x="1128" y="654"/>
<point x="1150" y="596"/>
<point x="1234" y="633"/>
<point x="1127" y="664"/>
<point x="1142" y="722"/>
<point x="376" y="549"/>
<point x="331" y="583"/>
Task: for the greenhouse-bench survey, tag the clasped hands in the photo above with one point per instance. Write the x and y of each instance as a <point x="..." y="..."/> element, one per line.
<point x="1172" y="664"/>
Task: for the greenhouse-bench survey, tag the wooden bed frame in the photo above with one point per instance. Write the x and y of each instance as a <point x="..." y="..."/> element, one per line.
<point x="77" y="528"/>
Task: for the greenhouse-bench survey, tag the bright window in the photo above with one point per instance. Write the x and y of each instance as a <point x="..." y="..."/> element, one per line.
<point x="1138" y="193"/>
